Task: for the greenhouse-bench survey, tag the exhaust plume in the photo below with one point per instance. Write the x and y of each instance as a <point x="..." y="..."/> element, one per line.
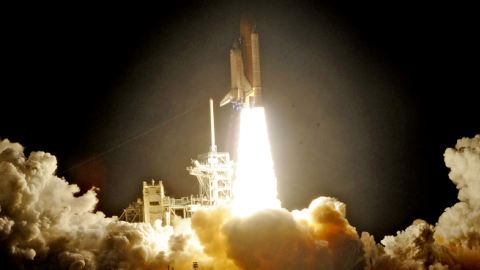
<point x="255" y="177"/>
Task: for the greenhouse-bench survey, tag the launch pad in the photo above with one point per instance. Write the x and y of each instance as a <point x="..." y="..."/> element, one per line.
<point x="214" y="171"/>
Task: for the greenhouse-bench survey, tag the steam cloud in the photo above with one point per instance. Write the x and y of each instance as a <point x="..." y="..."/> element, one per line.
<point x="43" y="225"/>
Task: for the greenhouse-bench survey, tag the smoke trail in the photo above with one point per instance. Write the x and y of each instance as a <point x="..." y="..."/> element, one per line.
<point x="44" y="226"/>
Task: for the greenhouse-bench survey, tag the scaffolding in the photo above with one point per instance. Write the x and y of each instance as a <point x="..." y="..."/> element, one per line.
<point x="214" y="171"/>
<point x="134" y="212"/>
<point x="157" y="206"/>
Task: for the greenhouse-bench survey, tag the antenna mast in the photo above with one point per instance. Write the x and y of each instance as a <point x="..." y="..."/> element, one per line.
<point x="213" y="148"/>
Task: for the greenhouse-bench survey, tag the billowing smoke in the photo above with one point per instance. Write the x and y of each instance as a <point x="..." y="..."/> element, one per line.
<point x="454" y="242"/>
<point x="45" y="225"/>
<point x="315" y="238"/>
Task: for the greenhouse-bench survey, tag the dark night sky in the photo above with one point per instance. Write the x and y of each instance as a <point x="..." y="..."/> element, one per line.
<point x="361" y="99"/>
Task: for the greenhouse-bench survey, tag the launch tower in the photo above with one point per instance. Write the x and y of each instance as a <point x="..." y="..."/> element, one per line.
<point x="214" y="171"/>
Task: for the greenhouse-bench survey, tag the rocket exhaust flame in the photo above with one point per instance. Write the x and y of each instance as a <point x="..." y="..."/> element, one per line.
<point x="255" y="186"/>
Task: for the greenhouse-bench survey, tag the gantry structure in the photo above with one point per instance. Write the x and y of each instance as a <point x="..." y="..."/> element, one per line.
<point x="134" y="212"/>
<point x="154" y="205"/>
<point x="157" y="206"/>
<point x="214" y="171"/>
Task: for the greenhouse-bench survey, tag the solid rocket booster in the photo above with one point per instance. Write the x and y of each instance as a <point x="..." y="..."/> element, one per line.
<point x="245" y="68"/>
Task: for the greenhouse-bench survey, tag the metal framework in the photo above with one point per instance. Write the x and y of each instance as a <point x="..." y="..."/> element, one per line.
<point x="214" y="172"/>
<point x="158" y="206"/>
<point x="171" y="206"/>
<point x="133" y="213"/>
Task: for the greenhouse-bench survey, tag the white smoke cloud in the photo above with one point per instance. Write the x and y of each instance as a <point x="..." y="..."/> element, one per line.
<point x="454" y="243"/>
<point x="459" y="226"/>
<point x="414" y="248"/>
<point x="45" y="225"/>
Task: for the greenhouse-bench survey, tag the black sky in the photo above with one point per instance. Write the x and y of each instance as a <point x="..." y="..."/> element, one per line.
<point x="361" y="99"/>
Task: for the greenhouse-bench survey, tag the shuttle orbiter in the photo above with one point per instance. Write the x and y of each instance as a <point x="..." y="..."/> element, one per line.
<point x="245" y="68"/>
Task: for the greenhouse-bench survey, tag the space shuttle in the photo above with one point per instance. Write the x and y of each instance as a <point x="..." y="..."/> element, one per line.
<point x="245" y="68"/>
